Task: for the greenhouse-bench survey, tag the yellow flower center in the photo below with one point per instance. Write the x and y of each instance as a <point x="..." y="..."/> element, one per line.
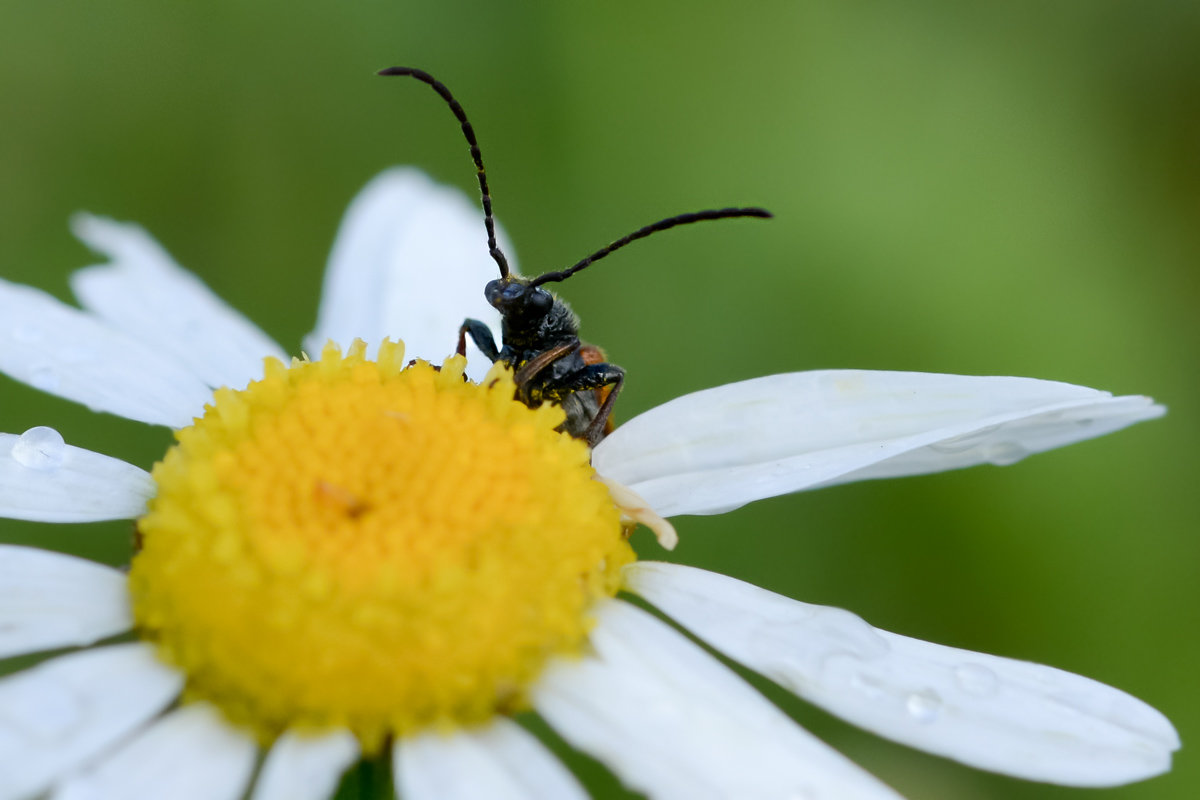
<point x="352" y="543"/>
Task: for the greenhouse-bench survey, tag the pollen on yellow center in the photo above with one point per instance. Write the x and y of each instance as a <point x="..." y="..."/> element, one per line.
<point x="352" y="543"/>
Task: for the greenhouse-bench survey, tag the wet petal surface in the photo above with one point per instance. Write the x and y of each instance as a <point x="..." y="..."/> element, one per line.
<point x="673" y="722"/>
<point x="721" y="448"/>
<point x="46" y="480"/>
<point x="999" y="714"/>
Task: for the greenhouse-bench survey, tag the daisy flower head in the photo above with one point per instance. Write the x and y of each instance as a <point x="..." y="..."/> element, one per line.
<point x="338" y="559"/>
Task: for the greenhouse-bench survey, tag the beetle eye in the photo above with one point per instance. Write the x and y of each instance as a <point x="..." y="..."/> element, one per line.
<point x="538" y="303"/>
<point x="492" y="291"/>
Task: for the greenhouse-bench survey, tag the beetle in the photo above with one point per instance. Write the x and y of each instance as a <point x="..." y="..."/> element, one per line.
<point x="539" y="331"/>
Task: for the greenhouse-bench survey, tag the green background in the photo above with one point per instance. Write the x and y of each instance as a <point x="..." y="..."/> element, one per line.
<point x="1010" y="188"/>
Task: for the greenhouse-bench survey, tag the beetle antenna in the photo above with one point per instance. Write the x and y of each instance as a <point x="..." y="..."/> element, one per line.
<point x="641" y="233"/>
<point x="476" y="155"/>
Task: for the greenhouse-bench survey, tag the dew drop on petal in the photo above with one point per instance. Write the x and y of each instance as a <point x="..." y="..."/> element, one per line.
<point x="44" y="710"/>
<point x="961" y="444"/>
<point x="868" y="686"/>
<point x="40" y="448"/>
<point x="76" y="354"/>
<point x="976" y="679"/>
<point x="44" y="378"/>
<point x="802" y="793"/>
<point x="846" y="634"/>
<point x="923" y="706"/>
<point x="817" y="640"/>
<point x="83" y="787"/>
<point x="1004" y="453"/>
<point x="27" y="334"/>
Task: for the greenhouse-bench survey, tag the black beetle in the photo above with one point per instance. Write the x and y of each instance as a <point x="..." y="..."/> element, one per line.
<point x="539" y="331"/>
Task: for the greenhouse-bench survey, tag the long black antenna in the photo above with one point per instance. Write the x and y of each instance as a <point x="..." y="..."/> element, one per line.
<point x="476" y="155"/>
<point x="641" y="233"/>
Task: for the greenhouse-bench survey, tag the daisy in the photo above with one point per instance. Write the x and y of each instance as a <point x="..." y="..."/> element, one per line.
<point x="337" y="557"/>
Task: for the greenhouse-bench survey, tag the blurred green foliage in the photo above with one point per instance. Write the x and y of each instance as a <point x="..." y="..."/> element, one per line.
<point x="1007" y="188"/>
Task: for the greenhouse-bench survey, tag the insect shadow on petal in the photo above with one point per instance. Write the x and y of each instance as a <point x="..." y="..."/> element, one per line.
<point x="540" y="333"/>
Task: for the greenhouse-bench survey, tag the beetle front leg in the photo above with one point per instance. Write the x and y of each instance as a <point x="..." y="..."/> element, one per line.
<point x="481" y="335"/>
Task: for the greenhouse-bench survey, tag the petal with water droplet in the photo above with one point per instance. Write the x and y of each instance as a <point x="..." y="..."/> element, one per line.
<point x="83" y="487"/>
<point x="499" y="761"/>
<point x="143" y="292"/>
<point x="83" y="359"/>
<point x="673" y="722"/>
<point x="999" y="714"/>
<point x="39" y="448"/>
<point x="60" y="714"/>
<point x="410" y="262"/>
<point x="715" y="450"/>
<point x="50" y="600"/>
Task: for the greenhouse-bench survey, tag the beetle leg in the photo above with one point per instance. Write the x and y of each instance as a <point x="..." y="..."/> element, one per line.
<point x="481" y="335"/>
<point x="599" y="427"/>
<point x="593" y="376"/>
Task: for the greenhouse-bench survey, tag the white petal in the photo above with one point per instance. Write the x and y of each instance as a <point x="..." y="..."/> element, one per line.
<point x="46" y="480"/>
<point x="62" y="713"/>
<point x="144" y="293"/>
<point x="190" y="754"/>
<point x="999" y="714"/>
<point x="72" y="354"/>
<point x="303" y="767"/>
<point x="50" y="600"/>
<point x="673" y="722"/>
<point x="410" y="262"/>
<point x="721" y="448"/>
<point x="500" y="761"/>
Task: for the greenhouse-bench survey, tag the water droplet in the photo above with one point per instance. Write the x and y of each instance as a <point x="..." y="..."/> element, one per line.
<point x="923" y="706"/>
<point x="45" y="710"/>
<point x="869" y="686"/>
<point x="27" y="334"/>
<point x="76" y="354"/>
<point x="807" y="640"/>
<point x="44" y="378"/>
<point x="976" y="679"/>
<point x="968" y="441"/>
<point x="959" y="444"/>
<point x="843" y="633"/>
<point x="40" y="448"/>
<point x="1004" y="453"/>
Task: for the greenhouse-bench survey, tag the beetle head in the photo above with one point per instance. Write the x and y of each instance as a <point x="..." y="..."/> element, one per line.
<point x="517" y="301"/>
